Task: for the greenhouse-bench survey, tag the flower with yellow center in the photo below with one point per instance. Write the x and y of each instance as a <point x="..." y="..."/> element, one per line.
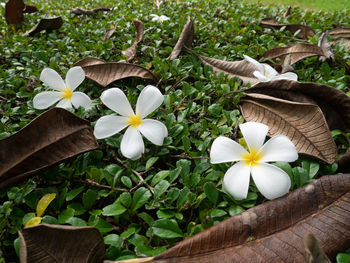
<point x="266" y="73"/>
<point x="132" y="145"/>
<point x="270" y="180"/>
<point x="64" y="92"/>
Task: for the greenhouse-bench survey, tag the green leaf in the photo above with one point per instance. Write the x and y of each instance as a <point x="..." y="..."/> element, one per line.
<point x="311" y="167"/>
<point x="147" y="218"/>
<point x="160" y="188"/>
<point x="211" y="192"/>
<point x="140" y="197"/>
<point x="166" y="228"/>
<point x="150" y="162"/>
<point x="72" y="194"/>
<point x="159" y="177"/>
<point x="75" y="221"/>
<point x="343" y="258"/>
<point x="126" y="181"/>
<point x="65" y="215"/>
<point x="113" y="240"/>
<point x="89" y="198"/>
<point x="102" y="225"/>
<point x="114" y="209"/>
<point x="217" y="213"/>
<point x="125" y="199"/>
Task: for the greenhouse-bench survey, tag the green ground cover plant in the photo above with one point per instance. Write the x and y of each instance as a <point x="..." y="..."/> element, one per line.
<point x="182" y="193"/>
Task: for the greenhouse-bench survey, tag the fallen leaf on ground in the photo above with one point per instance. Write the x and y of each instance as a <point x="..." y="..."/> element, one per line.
<point x="297" y="52"/>
<point x="304" y="31"/>
<point x="51" y="138"/>
<point x="45" y="24"/>
<point x="105" y="73"/>
<point x="57" y="243"/>
<point x="273" y="232"/>
<point x="303" y="123"/>
<point x="29" y="9"/>
<point x="185" y="39"/>
<point x="79" y="11"/>
<point x="324" y="44"/>
<point x="130" y="53"/>
<point x="109" y="33"/>
<point x="14" y="11"/>
<point x="241" y="69"/>
<point x="334" y="103"/>
<point x="314" y="251"/>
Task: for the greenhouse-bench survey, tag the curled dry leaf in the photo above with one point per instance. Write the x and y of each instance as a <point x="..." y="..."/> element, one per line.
<point x="314" y="251"/>
<point x="304" y="31"/>
<point x="29" y="9"/>
<point x="105" y="73"/>
<point x="57" y="243"/>
<point x="14" y="11"/>
<point x="297" y="52"/>
<point x="324" y="44"/>
<point x="51" y="138"/>
<point x="79" y="11"/>
<point x="158" y="3"/>
<point x="287" y="13"/>
<point x="273" y="232"/>
<point x="334" y="103"/>
<point x="241" y="69"/>
<point x="131" y="51"/>
<point x="303" y="123"/>
<point x="340" y="32"/>
<point x="109" y="33"/>
<point x="45" y="24"/>
<point x="185" y="39"/>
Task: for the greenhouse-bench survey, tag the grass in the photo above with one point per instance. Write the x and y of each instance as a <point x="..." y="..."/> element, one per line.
<point x="325" y="5"/>
<point x="194" y="111"/>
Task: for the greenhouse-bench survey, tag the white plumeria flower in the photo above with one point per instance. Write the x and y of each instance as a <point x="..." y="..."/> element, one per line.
<point x="132" y="145"/>
<point x="64" y="90"/>
<point x="266" y="73"/>
<point x="158" y="18"/>
<point x="270" y="180"/>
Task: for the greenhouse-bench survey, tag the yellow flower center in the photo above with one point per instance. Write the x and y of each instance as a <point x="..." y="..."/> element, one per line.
<point x="134" y="120"/>
<point x="67" y="93"/>
<point x="252" y="158"/>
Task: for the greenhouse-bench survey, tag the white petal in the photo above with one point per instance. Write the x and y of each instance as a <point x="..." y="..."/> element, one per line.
<point x="81" y="99"/>
<point x="288" y="75"/>
<point x="164" y="18"/>
<point x="132" y="145"/>
<point x="116" y="100"/>
<point x="271" y="181"/>
<point x="260" y="76"/>
<point x="109" y="125"/>
<point x="45" y="99"/>
<point x="149" y="99"/>
<point x="51" y="78"/>
<point x="254" y="134"/>
<point x="257" y="65"/>
<point x="279" y="149"/>
<point x="270" y="72"/>
<point x="236" y="180"/>
<point x="225" y="150"/>
<point x="75" y="76"/>
<point x="66" y="104"/>
<point x="153" y="130"/>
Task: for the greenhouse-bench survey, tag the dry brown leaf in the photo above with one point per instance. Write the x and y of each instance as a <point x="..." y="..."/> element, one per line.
<point x="305" y="31"/>
<point x="287" y="13"/>
<point x="45" y="24"/>
<point x="58" y="243"/>
<point x="185" y="39"/>
<point x="14" y="11"/>
<point x="313" y="249"/>
<point x="158" y="3"/>
<point x="109" y="33"/>
<point x="334" y="103"/>
<point x="297" y="52"/>
<point x="105" y="73"/>
<point x="340" y="32"/>
<point x="29" y="9"/>
<point x="241" y="69"/>
<point x="51" y="138"/>
<point x="79" y="11"/>
<point x="131" y="51"/>
<point x="273" y="232"/>
<point x="303" y="123"/>
<point x="324" y="44"/>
